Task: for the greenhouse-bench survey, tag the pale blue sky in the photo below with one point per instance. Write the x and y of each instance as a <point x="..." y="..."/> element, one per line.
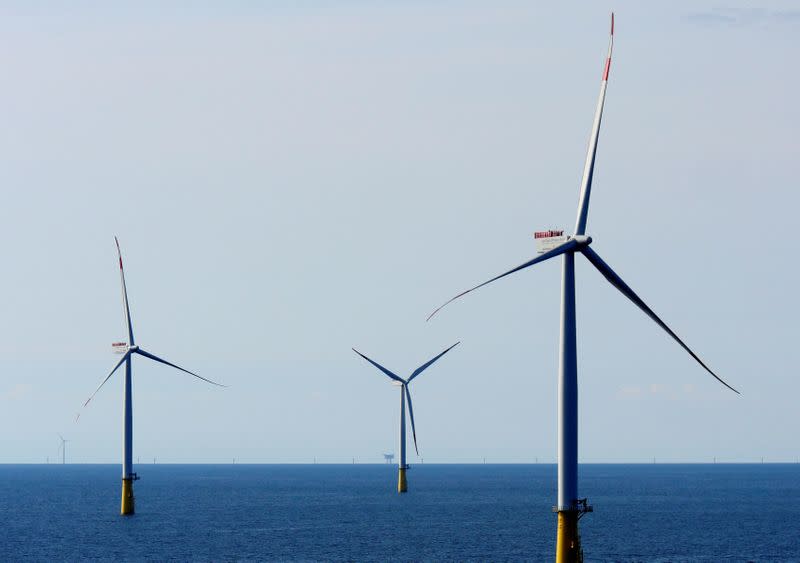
<point x="290" y="182"/>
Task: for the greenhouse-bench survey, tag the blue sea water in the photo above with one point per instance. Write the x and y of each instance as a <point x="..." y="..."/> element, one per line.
<point x="351" y="512"/>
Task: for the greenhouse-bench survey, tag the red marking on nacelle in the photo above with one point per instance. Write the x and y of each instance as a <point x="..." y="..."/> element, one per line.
<point x="548" y="234"/>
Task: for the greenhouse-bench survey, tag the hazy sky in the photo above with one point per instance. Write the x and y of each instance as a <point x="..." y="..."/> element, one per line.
<point x="290" y="182"/>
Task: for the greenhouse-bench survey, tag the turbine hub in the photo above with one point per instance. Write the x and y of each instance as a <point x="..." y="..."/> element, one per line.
<point x="582" y="240"/>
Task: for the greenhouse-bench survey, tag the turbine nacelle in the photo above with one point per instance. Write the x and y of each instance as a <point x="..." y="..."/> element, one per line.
<point x="550" y="240"/>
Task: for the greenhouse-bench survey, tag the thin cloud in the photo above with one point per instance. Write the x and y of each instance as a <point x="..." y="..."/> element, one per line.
<point x="789" y="16"/>
<point x="629" y="392"/>
<point x="742" y="17"/>
<point x="709" y="18"/>
<point x="17" y="392"/>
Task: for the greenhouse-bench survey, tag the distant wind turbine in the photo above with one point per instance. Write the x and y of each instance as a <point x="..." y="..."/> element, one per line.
<point x="570" y="507"/>
<point x="128" y="350"/>
<point x="402" y="484"/>
<point x="63" y="449"/>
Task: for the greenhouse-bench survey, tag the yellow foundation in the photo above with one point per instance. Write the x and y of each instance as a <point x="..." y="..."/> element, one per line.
<point x="127" y="497"/>
<point x="568" y="542"/>
<point x="402" y="485"/>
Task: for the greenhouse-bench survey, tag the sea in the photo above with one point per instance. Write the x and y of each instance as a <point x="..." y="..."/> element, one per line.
<point x="485" y="512"/>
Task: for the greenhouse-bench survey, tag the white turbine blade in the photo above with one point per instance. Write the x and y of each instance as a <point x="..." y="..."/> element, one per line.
<point x="623" y="288"/>
<point x="380" y="367"/>
<point x="166" y="363"/>
<point x="571" y="244"/>
<point x="588" y="167"/>
<point x="125" y="297"/>
<point x="426" y="365"/>
<point x="411" y="415"/>
<point x="125" y="357"/>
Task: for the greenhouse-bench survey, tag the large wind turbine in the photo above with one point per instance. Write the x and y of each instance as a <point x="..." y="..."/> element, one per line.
<point x="128" y="350"/>
<point x="570" y="507"/>
<point x="402" y="484"/>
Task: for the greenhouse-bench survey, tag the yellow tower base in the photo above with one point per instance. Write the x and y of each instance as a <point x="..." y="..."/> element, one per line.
<point x="402" y="485"/>
<point x="127" y="497"/>
<point x="568" y="542"/>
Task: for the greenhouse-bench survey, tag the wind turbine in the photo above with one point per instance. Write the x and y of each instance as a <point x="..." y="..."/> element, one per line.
<point x="570" y="508"/>
<point x="402" y="485"/>
<point x="63" y="449"/>
<point x="128" y="350"/>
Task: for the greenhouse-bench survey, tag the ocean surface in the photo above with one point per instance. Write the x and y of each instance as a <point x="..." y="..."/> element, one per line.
<point x="490" y="512"/>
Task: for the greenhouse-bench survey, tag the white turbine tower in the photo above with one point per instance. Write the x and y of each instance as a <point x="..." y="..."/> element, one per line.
<point x="63" y="449"/>
<point x="569" y="506"/>
<point x="128" y="350"/>
<point x="402" y="484"/>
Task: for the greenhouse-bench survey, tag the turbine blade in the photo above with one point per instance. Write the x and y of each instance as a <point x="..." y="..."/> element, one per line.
<point x="165" y="362"/>
<point x="427" y="364"/>
<point x="623" y="288"/>
<point x="411" y="415"/>
<point x="380" y="367"/>
<point x="588" y="167"/>
<point x="122" y="360"/>
<point x="571" y="244"/>
<point x="125" y="297"/>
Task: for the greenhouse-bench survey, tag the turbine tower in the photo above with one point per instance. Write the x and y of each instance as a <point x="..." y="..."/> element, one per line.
<point x="128" y="350"/>
<point x="402" y="484"/>
<point x="63" y="449"/>
<point x="570" y="507"/>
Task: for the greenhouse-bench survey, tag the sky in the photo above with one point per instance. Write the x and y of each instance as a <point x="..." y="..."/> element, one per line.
<point x="289" y="181"/>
